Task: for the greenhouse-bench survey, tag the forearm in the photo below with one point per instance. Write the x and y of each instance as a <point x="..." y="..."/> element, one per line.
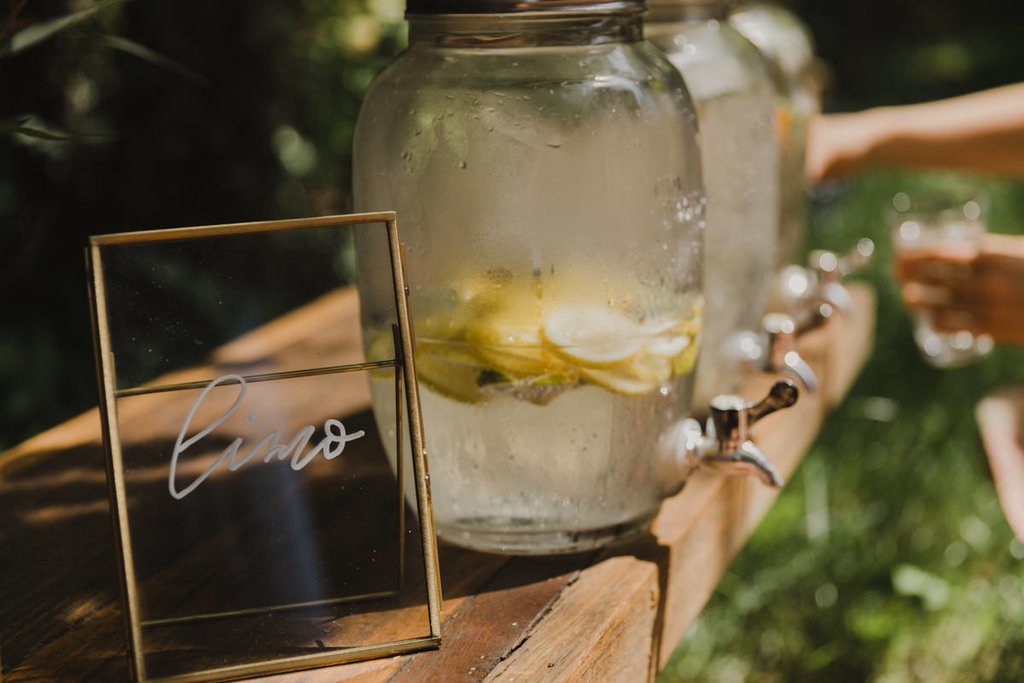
<point x="983" y="131"/>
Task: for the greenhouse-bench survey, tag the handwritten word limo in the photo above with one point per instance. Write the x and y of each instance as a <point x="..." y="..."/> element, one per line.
<point x="332" y="445"/>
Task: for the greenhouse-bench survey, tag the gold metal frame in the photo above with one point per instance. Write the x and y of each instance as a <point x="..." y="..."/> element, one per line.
<point x="405" y="383"/>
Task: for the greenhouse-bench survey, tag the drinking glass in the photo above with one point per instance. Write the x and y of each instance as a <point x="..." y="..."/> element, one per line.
<point x="937" y="221"/>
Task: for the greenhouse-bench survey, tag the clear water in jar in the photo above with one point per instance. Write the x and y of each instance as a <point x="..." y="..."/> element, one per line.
<point x="792" y="124"/>
<point x="546" y="414"/>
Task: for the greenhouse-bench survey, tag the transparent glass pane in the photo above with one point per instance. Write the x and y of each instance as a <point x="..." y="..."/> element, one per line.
<point x="176" y="304"/>
<point x="265" y="508"/>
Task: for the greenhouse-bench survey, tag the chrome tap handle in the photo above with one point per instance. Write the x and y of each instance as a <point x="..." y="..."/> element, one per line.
<point x="813" y="317"/>
<point x="832" y="267"/>
<point x="858" y="258"/>
<point x="727" y="445"/>
<point x="829" y="269"/>
<point x="783" y="394"/>
<point x="781" y="354"/>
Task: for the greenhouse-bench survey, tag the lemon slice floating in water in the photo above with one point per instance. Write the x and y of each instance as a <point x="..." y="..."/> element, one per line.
<point x="592" y="336"/>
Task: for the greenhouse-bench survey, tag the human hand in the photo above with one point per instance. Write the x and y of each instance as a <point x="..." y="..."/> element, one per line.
<point x="840" y="145"/>
<point x="964" y="288"/>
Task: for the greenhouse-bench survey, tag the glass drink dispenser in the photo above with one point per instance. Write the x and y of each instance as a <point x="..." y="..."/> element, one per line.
<point x="735" y="107"/>
<point x="542" y="159"/>
<point x="787" y="45"/>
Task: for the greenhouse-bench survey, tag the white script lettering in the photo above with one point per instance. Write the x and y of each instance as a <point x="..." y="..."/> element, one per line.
<point x="332" y="445"/>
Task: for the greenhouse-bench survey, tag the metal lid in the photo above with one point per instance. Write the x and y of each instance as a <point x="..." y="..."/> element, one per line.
<point x="415" y="7"/>
<point x="689" y="3"/>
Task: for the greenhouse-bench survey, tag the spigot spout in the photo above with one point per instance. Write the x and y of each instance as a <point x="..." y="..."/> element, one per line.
<point x="838" y="297"/>
<point x="747" y="460"/>
<point x="811" y="294"/>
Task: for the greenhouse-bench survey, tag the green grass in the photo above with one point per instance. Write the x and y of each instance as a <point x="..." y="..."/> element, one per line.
<point x="887" y="557"/>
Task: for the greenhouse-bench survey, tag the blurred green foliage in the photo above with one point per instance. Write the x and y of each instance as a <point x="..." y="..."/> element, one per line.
<point x="179" y="112"/>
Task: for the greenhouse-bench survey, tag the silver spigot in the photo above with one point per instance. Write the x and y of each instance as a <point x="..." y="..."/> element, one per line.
<point x="773" y="349"/>
<point x="813" y="316"/>
<point x="780" y="352"/>
<point x="726" y="445"/>
<point x="828" y="270"/>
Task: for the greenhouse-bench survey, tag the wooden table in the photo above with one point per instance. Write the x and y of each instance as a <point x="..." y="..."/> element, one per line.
<point x="614" y="615"/>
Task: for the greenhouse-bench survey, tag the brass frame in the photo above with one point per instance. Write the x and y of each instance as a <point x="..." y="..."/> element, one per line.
<point x="405" y="382"/>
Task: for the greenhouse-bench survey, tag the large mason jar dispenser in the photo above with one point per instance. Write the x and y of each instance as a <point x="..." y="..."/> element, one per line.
<point x="789" y="50"/>
<point x="735" y="106"/>
<point x="542" y="159"/>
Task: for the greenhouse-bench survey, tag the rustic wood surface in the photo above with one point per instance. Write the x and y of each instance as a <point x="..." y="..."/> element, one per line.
<point x="612" y="615"/>
<point x="1001" y="421"/>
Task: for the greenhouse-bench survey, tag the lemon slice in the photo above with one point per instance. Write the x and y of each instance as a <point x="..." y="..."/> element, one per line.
<point x="647" y="367"/>
<point x="381" y="347"/>
<point x="460" y="354"/>
<point x="619" y="383"/>
<point x="442" y="326"/>
<point x="592" y="336"/>
<point x="452" y="380"/>
<point x="684" y="362"/>
<point x="668" y="346"/>
<point x="508" y="339"/>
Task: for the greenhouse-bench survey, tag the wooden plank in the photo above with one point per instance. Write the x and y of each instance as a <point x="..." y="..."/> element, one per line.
<point x="851" y="341"/>
<point x="1000" y="418"/>
<point x="491" y="623"/>
<point x="601" y="628"/>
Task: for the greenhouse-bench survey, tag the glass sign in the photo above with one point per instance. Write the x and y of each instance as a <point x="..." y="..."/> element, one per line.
<point x="259" y="448"/>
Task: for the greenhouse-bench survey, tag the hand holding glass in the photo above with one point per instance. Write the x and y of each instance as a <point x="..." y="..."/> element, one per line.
<point x="949" y="226"/>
